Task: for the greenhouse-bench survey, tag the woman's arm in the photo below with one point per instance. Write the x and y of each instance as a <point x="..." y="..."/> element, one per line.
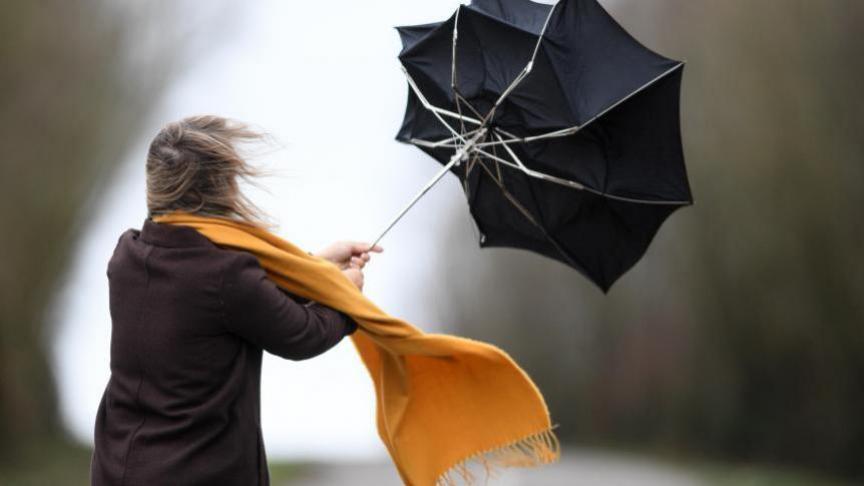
<point x="262" y="313"/>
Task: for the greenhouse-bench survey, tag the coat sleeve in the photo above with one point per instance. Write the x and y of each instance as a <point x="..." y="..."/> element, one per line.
<point x="262" y="313"/>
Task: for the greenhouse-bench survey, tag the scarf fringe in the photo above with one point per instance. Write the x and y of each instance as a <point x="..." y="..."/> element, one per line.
<point x="531" y="451"/>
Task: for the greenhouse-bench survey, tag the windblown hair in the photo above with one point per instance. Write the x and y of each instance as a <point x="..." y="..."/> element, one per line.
<point x="193" y="165"/>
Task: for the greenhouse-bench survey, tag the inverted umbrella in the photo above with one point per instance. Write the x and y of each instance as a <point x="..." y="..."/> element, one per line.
<point x="563" y="129"/>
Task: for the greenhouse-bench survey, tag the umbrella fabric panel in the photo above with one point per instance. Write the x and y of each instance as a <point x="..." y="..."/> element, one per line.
<point x="595" y="59"/>
<point x="539" y="102"/>
<point x="528" y="16"/>
<point x="429" y="62"/>
<point x="611" y="236"/>
<point x="420" y="123"/>
<point x="633" y="151"/>
<point x="600" y="237"/>
<point x="581" y="157"/>
<point x="503" y="51"/>
<point x="489" y="55"/>
<point x="410" y="34"/>
<point x="645" y="158"/>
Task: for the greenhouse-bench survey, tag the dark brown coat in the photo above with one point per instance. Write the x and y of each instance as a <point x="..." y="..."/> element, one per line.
<point x="189" y="322"/>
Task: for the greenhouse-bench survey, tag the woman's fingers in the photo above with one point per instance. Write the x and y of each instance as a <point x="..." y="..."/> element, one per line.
<point x="356" y="276"/>
<point x="359" y="247"/>
<point x="357" y="262"/>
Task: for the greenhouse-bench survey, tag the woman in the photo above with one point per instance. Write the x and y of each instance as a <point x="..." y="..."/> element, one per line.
<point x="190" y="320"/>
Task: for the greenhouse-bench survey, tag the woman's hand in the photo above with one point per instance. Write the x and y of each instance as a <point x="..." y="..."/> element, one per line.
<point x="348" y="254"/>
<point x="355" y="275"/>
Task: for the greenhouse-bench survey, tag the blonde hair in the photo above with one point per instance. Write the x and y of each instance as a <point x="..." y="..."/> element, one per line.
<point x="193" y="165"/>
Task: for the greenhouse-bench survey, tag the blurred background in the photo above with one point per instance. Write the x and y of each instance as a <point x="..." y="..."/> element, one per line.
<point x="733" y="353"/>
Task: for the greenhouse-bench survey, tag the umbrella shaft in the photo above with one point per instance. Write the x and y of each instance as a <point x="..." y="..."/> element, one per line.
<point x="454" y="160"/>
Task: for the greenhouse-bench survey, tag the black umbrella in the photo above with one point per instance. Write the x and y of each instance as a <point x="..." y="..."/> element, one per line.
<point x="562" y="128"/>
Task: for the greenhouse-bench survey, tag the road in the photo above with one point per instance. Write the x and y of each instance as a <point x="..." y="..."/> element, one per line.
<point x="576" y="468"/>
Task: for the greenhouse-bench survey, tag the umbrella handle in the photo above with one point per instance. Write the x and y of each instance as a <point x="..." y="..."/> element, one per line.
<point x="454" y="160"/>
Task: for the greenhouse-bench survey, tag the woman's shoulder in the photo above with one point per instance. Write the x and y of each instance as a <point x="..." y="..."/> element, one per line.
<point x="241" y="266"/>
<point x="230" y="265"/>
<point x="239" y="261"/>
<point x="192" y="260"/>
<point x="124" y="252"/>
<point x="244" y="278"/>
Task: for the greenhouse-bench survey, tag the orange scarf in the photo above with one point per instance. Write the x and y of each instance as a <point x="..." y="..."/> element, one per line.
<point x="443" y="402"/>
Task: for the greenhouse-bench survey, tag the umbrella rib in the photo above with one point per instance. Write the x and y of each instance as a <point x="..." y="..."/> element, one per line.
<point x="453" y="73"/>
<point x="525" y="71"/>
<point x="429" y="106"/>
<point x="454" y="160"/>
<point x="449" y="142"/>
<point x="510" y="197"/>
<point x="525" y="212"/>
<point x="462" y="129"/>
<point x="497" y="164"/>
<point x="438" y="112"/>
<point x="576" y="185"/>
<point x="468" y="104"/>
<point x="453" y="50"/>
<point x="440" y="144"/>
<point x="564" y="132"/>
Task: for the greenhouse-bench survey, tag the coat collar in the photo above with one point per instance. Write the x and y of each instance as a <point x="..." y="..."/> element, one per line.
<point x="172" y="236"/>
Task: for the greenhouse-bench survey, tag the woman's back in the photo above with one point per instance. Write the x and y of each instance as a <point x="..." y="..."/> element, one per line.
<point x="189" y="322"/>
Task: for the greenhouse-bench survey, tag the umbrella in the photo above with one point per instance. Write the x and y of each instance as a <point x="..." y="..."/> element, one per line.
<point x="562" y="128"/>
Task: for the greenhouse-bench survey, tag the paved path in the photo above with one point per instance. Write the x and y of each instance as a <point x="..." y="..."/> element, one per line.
<point x="576" y="468"/>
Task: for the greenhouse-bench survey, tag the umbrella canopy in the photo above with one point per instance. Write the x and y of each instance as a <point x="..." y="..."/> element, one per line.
<point x="562" y="128"/>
